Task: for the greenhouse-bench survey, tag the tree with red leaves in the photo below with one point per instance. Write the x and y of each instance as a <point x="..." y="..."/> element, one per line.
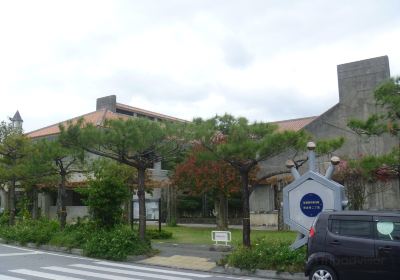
<point x="200" y="176"/>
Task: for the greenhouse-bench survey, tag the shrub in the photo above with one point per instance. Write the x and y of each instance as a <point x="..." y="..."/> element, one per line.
<point x="4" y="218"/>
<point x="107" y="243"/>
<point x="155" y="234"/>
<point x="35" y="231"/>
<point x="115" y="244"/>
<point x="268" y="255"/>
<point x="106" y="193"/>
<point x="73" y="236"/>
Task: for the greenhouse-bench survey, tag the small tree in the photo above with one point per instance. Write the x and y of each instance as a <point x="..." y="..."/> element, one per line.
<point x="14" y="147"/>
<point x="136" y="142"/>
<point x="355" y="174"/>
<point x="243" y="145"/>
<point x="59" y="156"/>
<point x="205" y="176"/>
<point x="106" y="194"/>
<point x="387" y="95"/>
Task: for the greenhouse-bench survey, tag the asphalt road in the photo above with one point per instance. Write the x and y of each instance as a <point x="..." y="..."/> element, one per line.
<point x="18" y="263"/>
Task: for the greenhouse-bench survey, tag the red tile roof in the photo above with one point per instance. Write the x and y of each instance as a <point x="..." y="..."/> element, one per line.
<point x="96" y="118"/>
<point x="294" y="124"/>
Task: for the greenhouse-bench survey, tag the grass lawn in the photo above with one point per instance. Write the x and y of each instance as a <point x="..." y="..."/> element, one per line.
<point x="194" y="235"/>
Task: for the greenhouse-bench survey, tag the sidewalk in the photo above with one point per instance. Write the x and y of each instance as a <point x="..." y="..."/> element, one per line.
<point x="187" y="256"/>
<point x="200" y="257"/>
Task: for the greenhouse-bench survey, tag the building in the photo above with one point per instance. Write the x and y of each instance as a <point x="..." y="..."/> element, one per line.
<point x="356" y="82"/>
<point x="106" y="108"/>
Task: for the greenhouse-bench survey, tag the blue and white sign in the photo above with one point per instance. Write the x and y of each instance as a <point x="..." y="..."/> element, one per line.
<point x="311" y="204"/>
<point x="308" y="195"/>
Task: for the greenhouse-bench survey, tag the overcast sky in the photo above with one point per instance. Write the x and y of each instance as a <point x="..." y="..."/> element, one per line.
<point x="264" y="60"/>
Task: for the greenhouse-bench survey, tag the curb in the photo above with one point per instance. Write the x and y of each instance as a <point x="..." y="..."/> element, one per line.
<point x="270" y="274"/>
<point x="50" y="248"/>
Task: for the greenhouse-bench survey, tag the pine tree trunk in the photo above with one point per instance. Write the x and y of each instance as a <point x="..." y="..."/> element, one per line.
<point x="128" y="207"/>
<point x="222" y="221"/>
<point x="11" y="202"/>
<point x="142" y="203"/>
<point x="246" y="208"/>
<point x="171" y="206"/>
<point x="35" y="210"/>
<point x="61" y="209"/>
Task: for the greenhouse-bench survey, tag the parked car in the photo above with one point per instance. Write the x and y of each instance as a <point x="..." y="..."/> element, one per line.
<point x="354" y="245"/>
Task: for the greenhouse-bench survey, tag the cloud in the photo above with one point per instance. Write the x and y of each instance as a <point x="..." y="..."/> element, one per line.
<point x="267" y="60"/>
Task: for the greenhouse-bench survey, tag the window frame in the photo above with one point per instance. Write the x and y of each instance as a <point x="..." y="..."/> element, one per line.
<point x="340" y="218"/>
<point x="378" y="219"/>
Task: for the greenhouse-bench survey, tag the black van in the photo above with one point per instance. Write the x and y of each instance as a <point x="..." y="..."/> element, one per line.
<point x="354" y="245"/>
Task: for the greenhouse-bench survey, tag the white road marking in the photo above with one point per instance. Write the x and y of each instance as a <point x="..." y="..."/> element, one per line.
<point x="19" y="254"/>
<point x="50" y="253"/>
<point x="18" y="248"/>
<point x="129" y="272"/>
<point x="6" y="277"/>
<point x="153" y="269"/>
<point x="238" y="278"/>
<point x="44" y="274"/>
<point x="88" y="273"/>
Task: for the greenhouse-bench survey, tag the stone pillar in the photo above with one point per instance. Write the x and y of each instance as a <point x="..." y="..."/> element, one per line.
<point x="44" y="204"/>
<point x="3" y="199"/>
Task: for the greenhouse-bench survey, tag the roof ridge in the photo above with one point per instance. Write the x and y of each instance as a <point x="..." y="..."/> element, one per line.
<point x="78" y="117"/>
<point x="150" y="112"/>
<point x="297" y="119"/>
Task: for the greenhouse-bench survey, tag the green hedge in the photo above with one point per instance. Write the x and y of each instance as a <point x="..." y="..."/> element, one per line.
<point x="155" y="234"/>
<point x="114" y="244"/>
<point x="268" y="255"/>
<point x="34" y="231"/>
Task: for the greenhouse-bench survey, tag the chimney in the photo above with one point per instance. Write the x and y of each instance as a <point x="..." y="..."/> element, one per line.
<point x="107" y="102"/>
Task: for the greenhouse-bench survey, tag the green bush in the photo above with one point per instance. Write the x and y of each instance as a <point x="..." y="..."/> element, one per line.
<point x="268" y="255"/>
<point x="155" y="234"/>
<point x="73" y="236"/>
<point x="4" y="218"/>
<point x="115" y="244"/>
<point x="34" y="231"/>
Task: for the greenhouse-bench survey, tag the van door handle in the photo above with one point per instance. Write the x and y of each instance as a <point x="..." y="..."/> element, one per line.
<point x="386" y="248"/>
<point x="335" y="242"/>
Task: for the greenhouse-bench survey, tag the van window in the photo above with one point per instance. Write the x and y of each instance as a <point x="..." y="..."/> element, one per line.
<point x="352" y="228"/>
<point x="388" y="230"/>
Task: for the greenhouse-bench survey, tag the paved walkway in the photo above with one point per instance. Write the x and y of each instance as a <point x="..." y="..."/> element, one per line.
<point x="187" y="256"/>
<point x="199" y="257"/>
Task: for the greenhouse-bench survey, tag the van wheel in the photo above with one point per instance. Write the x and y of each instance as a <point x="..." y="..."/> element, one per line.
<point x="322" y="272"/>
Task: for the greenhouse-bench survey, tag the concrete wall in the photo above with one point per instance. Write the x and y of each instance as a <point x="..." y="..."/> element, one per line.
<point x="267" y="220"/>
<point x="356" y="83"/>
<point x="262" y="205"/>
<point x="73" y="212"/>
<point x="107" y="102"/>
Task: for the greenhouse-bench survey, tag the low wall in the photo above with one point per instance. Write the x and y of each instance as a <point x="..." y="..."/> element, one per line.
<point x="268" y="220"/>
<point x="212" y="221"/>
<point x="73" y="212"/>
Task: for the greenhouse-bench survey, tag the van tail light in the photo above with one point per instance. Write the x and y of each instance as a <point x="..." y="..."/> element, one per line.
<point x="312" y="232"/>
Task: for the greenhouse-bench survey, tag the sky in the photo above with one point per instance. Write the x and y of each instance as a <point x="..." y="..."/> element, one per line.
<point x="260" y="59"/>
